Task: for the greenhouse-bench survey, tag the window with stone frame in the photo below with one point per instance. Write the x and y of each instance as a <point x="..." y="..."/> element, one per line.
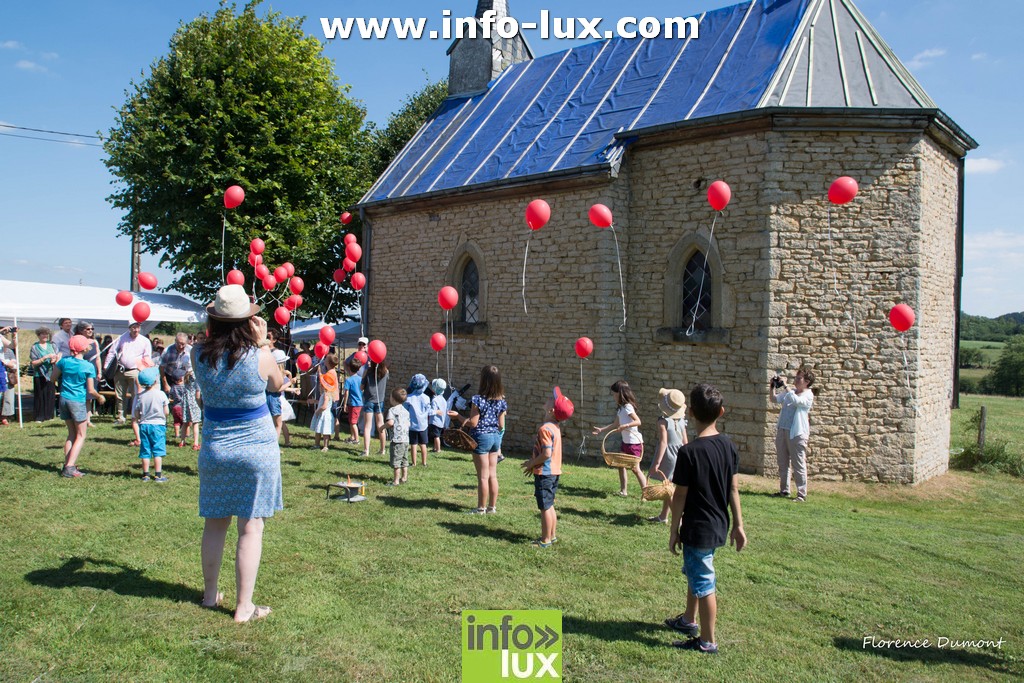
<point x="469" y="294"/>
<point x="696" y="293"/>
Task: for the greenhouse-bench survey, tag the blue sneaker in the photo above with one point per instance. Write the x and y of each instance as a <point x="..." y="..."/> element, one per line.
<point x="679" y="623"/>
<point x="160" y="479"/>
<point x="696" y="644"/>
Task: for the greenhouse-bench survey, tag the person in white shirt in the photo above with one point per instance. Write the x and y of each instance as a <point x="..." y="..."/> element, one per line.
<point x="793" y="429"/>
<point x="129" y="350"/>
<point x="63" y="337"/>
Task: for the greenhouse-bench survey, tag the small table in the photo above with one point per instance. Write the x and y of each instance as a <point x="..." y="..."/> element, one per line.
<point x="353" y="491"/>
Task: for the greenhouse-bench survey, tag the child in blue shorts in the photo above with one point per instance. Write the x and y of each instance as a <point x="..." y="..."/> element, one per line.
<point x="150" y="412"/>
<point x="706" y="487"/>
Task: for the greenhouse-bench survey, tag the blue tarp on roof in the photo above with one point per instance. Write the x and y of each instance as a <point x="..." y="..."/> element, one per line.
<point x="562" y="111"/>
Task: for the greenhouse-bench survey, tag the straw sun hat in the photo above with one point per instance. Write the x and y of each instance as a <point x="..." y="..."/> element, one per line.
<point x="232" y="303"/>
<point x="672" y="403"/>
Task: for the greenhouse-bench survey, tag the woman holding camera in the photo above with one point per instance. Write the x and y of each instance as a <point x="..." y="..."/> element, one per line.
<point x="793" y="430"/>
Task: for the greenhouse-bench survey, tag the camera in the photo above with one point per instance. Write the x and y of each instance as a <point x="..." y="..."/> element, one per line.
<point x="777" y="382"/>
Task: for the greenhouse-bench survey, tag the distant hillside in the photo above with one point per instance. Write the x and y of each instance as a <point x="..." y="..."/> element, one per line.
<point x="980" y="328"/>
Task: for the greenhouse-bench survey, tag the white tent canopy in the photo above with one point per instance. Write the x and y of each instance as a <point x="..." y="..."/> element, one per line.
<point x="40" y="303"/>
<point x="344" y="333"/>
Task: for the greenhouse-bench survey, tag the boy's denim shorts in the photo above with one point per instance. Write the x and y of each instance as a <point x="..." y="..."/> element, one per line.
<point x="699" y="568"/>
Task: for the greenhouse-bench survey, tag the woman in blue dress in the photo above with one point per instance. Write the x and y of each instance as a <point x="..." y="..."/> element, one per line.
<point x="239" y="461"/>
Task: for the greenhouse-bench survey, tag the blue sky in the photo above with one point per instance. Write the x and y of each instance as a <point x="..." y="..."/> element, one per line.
<point x="65" y="66"/>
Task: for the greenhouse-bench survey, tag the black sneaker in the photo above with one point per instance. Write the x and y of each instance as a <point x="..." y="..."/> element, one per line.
<point x="679" y="623"/>
<point x="780" y="494"/>
<point x="696" y="644"/>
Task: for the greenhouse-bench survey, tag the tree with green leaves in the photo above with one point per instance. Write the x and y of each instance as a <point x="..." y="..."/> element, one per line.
<point x="1007" y="377"/>
<point x="404" y="123"/>
<point x="245" y="100"/>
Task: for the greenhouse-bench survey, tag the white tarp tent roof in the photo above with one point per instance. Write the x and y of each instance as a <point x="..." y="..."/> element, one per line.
<point x="41" y="303"/>
<point x="344" y="333"/>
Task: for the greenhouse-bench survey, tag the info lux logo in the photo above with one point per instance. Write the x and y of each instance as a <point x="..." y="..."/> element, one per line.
<point x="507" y="645"/>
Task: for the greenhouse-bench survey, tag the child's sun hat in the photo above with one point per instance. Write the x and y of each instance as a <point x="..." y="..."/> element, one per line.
<point x="149" y="376"/>
<point x="329" y="381"/>
<point x="563" y="406"/>
<point x="417" y="384"/>
<point x="672" y="403"/>
<point x="438" y="386"/>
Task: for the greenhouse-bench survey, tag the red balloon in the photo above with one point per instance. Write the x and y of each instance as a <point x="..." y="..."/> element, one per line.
<point x="304" y="362"/>
<point x="297" y="299"/>
<point x="339" y="276"/>
<point x="438" y="341"/>
<point x="354" y="251"/>
<point x="320" y="349"/>
<point x="350" y="238"/>
<point x="901" y="317"/>
<point x="147" y="280"/>
<point x="140" y="312"/>
<point x="448" y="298"/>
<point x="124" y="298"/>
<point x="719" y="194"/>
<point x="327" y="334"/>
<point x="377" y="351"/>
<point x="280" y="273"/>
<point x="600" y="215"/>
<point x="584" y="347"/>
<point x="257" y="246"/>
<point x="296" y="285"/>
<point x="358" y="281"/>
<point x="269" y="282"/>
<point x="282" y="315"/>
<point x="289" y="267"/>
<point x="538" y="213"/>
<point x="233" y="196"/>
<point x="360" y="356"/>
<point x="236" y="277"/>
<point x="346" y="218"/>
<point x="843" y="190"/>
<point x="261" y="271"/>
<point x="255" y="259"/>
<point x="293" y="302"/>
<point x="349" y="265"/>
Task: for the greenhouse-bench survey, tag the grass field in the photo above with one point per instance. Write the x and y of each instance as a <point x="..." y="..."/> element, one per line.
<point x="1004" y="418"/>
<point x="101" y="576"/>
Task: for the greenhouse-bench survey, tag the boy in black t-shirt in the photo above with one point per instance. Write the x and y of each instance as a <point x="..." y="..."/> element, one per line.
<point x="706" y="487"/>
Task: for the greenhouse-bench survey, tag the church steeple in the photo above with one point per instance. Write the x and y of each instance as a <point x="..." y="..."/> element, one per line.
<point x="475" y="62"/>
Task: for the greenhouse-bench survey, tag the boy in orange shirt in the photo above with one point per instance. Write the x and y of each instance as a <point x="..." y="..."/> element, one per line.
<point x="546" y="464"/>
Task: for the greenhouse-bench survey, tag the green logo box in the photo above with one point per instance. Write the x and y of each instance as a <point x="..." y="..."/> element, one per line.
<point x="511" y="645"/>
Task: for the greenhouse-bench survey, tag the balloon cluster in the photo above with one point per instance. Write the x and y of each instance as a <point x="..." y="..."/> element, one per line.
<point x="271" y="279"/>
<point x="141" y="310"/>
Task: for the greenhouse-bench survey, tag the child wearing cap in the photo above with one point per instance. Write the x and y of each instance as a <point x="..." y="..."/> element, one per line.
<point x="671" y="435"/>
<point x="150" y="413"/>
<point x="546" y="464"/>
<point x="398" y="422"/>
<point x="438" y="413"/>
<point x="418" y="405"/>
<point x="352" y="399"/>
<point x="323" y="417"/>
<point x="77" y="378"/>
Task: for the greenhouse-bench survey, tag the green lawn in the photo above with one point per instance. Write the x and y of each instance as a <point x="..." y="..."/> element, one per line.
<point x="100" y="577"/>
<point x="1004" y="421"/>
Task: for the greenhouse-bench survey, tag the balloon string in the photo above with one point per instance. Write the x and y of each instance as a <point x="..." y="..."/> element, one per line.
<point x="525" y="255"/>
<point x="581" y="381"/>
<point x="437" y="364"/>
<point x="703" y="270"/>
<point x="447" y="351"/>
<point x="451" y="343"/>
<point x="223" y="240"/>
<point x="906" y="370"/>
<point x="850" y="314"/>
<point x="622" y="289"/>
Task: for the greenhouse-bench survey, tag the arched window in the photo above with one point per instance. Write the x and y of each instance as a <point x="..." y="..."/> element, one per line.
<point x="469" y="293"/>
<point x="697" y="288"/>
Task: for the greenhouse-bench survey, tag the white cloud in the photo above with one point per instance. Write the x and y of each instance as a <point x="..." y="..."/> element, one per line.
<point x="926" y="57"/>
<point x="27" y="65"/>
<point x="991" y="285"/>
<point x="984" y="165"/>
<point x="50" y="56"/>
<point x="979" y="56"/>
<point x="11" y="45"/>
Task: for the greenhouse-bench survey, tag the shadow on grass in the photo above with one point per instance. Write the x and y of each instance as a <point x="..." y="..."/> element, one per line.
<point x="420" y="503"/>
<point x="477" y="530"/>
<point x="930" y="655"/>
<point x="580" y="492"/>
<point x="612" y="631"/>
<point x="623" y="519"/>
<point x="181" y="469"/>
<point x="32" y="464"/>
<point x="124" y="580"/>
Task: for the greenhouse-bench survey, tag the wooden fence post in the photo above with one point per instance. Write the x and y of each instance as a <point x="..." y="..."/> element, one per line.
<point x="981" y="433"/>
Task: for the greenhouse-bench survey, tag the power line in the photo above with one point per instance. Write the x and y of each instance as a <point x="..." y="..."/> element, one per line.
<point x="51" y="132"/>
<point x="63" y="142"/>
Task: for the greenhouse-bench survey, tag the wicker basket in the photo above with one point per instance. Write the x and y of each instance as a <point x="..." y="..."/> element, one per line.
<point x="663" y="491"/>
<point x="458" y="439"/>
<point x="616" y="459"/>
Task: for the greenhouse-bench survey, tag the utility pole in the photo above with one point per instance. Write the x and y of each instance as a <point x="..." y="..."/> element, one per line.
<point x="133" y="283"/>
